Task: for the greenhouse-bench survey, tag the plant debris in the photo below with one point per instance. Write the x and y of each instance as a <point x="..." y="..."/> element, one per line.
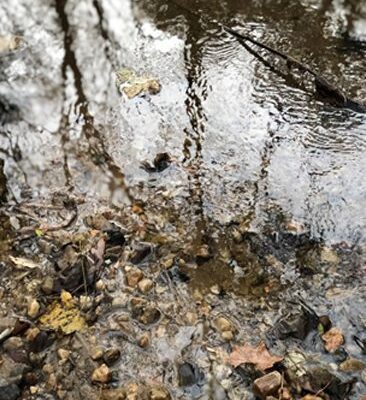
<point x="64" y="315"/>
<point x="333" y="339"/>
<point x="132" y="85"/>
<point x="10" y="43"/>
<point x="259" y="356"/>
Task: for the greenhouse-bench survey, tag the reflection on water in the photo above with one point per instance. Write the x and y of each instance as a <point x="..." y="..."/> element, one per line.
<point x="244" y="137"/>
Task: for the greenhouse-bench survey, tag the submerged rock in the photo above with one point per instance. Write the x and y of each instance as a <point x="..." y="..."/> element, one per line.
<point x="8" y="391"/>
<point x="102" y="374"/>
<point x="267" y="385"/>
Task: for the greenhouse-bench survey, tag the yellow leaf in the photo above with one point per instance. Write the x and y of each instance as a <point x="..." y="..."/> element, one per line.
<point x="64" y="315"/>
<point x="39" y="232"/>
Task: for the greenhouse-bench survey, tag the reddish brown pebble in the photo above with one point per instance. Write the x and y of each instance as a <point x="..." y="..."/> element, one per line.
<point x="267" y="385"/>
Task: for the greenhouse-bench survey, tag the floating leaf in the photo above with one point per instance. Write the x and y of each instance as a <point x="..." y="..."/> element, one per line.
<point x="10" y="43"/>
<point x="259" y="356"/>
<point x="131" y="85"/>
<point x="23" y="262"/>
<point x="333" y="339"/>
<point x="64" y="315"/>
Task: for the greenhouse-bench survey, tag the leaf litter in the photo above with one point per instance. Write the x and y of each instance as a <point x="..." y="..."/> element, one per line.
<point x="63" y="315"/>
<point x="259" y="356"/>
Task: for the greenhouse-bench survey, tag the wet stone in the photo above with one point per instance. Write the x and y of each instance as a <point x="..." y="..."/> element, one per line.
<point x="352" y="365"/>
<point x="133" y="276"/>
<point x="188" y="374"/>
<point x="40" y="342"/>
<point x="140" y="252"/>
<point x="203" y="254"/>
<point x="159" y="393"/>
<point x="33" y="308"/>
<point x="144" y="340"/>
<point x="149" y="315"/>
<point x="63" y="354"/>
<point x="143" y="311"/>
<point x="225" y="328"/>
<point x="115" y="237"/>
<point x="145" y="285"/>
<point x="296" y="323"/>
<point x="13" y="343"/>
<point x="97" y="354"/>
<point x="48" y="285"/>
<point x="267" y="385"/>
<point x="111" y="356"/>
<point x="8" y="391"/>
<point x="114" y="394"/>
<point x="102" y="374"/>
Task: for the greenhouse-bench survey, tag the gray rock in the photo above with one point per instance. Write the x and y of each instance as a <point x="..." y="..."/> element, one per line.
<point x="8" y="391"/>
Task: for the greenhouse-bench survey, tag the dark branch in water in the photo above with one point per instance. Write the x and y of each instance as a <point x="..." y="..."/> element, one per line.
<point x="323" y="87"/>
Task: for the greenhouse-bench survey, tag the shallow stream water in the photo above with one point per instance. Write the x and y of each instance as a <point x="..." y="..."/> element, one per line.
<point x="251" y="144"/>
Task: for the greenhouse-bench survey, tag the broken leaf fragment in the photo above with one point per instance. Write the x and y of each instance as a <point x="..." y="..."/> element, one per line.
<point x="259" y="356"/>
<point x="21" y="262"/>
<point x="10" y="43"/>
<point x="63" y="315"/>
<point x="333" y="339"/>
<point x="132" y="85"/>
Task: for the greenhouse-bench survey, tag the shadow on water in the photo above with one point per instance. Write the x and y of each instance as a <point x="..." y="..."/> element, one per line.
<point x="284" y="25"/>
<point x="250" y="139"/>
<point x="96" y="151"/>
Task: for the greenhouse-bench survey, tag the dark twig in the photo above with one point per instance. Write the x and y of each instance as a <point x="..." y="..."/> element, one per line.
<point x="323" y="87"/>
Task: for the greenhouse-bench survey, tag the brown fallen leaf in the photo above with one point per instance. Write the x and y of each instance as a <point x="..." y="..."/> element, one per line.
<point x="333" y="339"/>
<point x="259" y="356"/>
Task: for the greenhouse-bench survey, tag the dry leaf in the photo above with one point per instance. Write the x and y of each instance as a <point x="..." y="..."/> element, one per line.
<point x="98" y="253"/>
<point x="64" y="315"/>
<point x="333" y="339"/>
<point x="132" y="85"/>
<point x="23" y="262"/>
<point x="259" y="356"/>
<point x="10" y="43"/>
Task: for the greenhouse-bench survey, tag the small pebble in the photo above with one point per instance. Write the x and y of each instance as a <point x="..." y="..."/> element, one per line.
<point x="63" y="354"/>
<point x="144" y="340"/>
<point x="47" y="285"/>
<point x="97" y="353"/>
<point x="145" y="285"/>
<point x="102" y="374"/>
<point x="352" y="365"/>
<point x="111" y="355"/>
<point x="158" y="393"/>
<point x="13" y="343"/>
<point x="100" y="285"/>
<point x="133" y="276"/>
<point x="267" y="385"/>
<point x="33" y="308"/>
<point x="223" y="325"/>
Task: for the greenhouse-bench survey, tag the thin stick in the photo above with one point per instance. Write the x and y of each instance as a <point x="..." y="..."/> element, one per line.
<point x="322" y="86"/>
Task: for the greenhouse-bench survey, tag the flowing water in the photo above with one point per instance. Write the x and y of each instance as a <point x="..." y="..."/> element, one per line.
<point x="250" y="142"/>
<point x="243" y="137"/>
